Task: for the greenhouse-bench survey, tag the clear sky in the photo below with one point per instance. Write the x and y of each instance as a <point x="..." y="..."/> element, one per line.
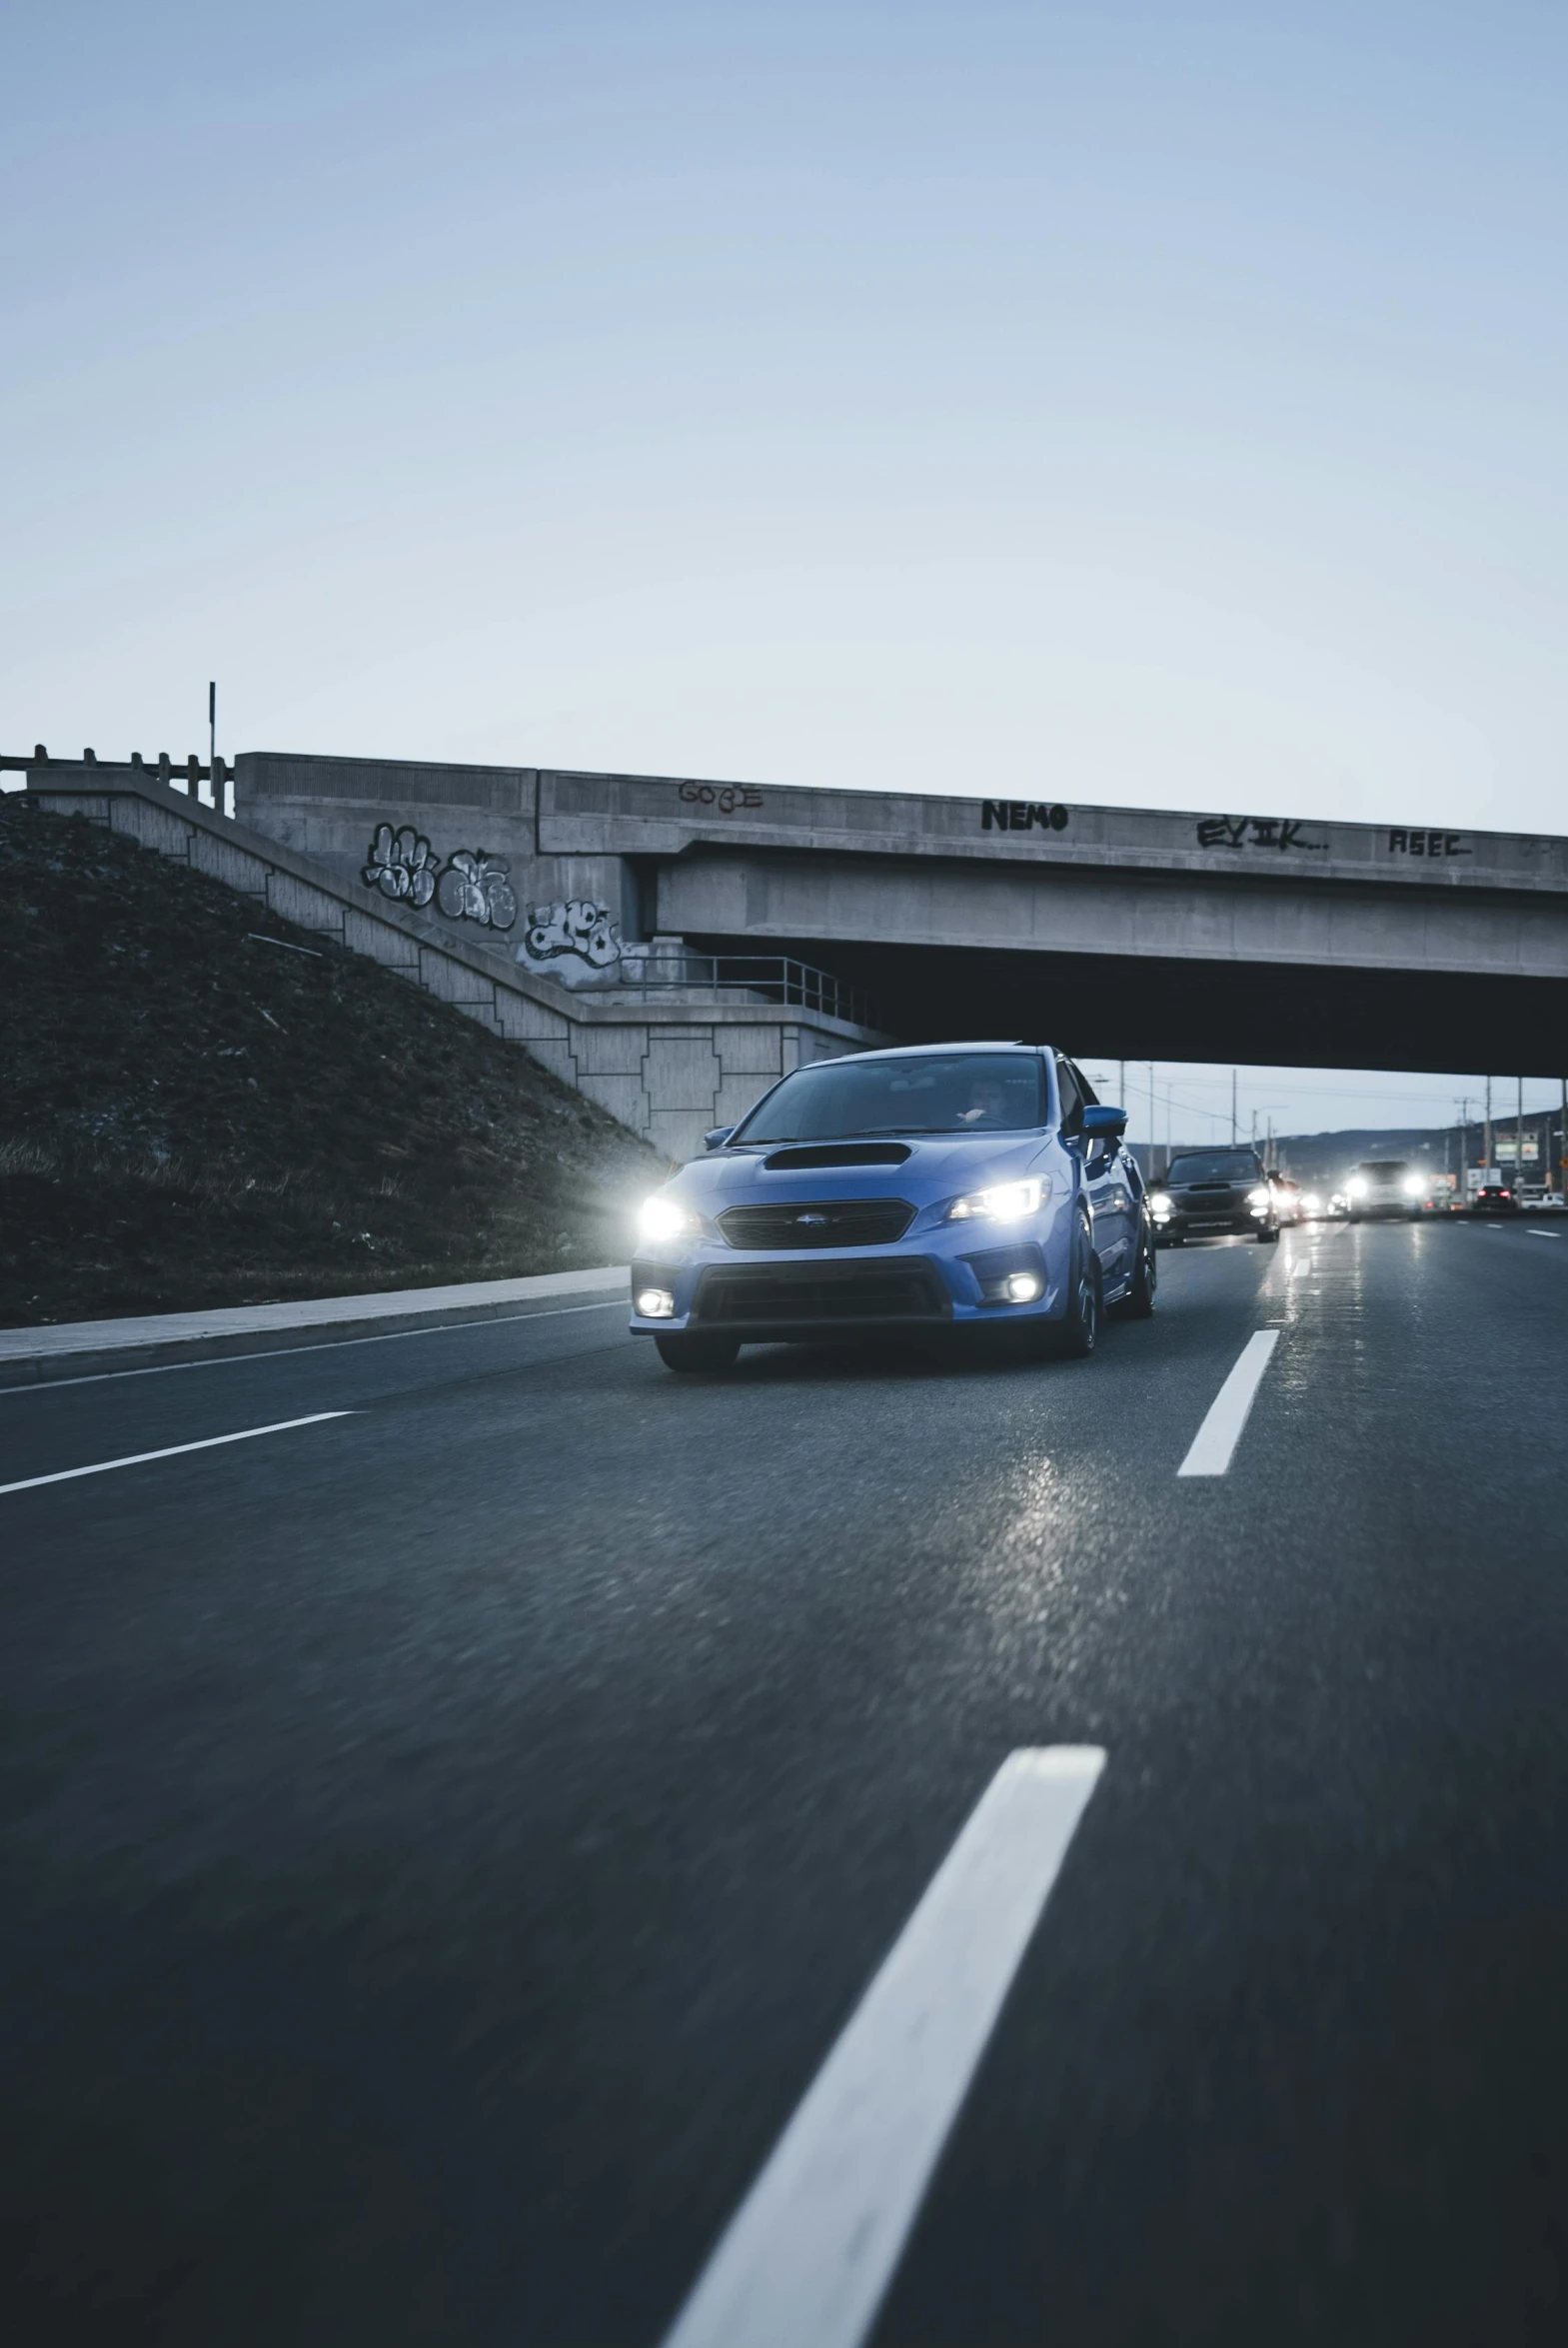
<point x="1155" y="405"/>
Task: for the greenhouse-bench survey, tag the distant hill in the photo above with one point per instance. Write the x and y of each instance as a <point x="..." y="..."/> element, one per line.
<point x="1321" y="1158"/>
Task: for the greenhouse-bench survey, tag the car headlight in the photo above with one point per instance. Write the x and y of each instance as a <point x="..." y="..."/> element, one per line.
<point x="1358" y="1187"/>
<point x="1161" y="1205"/>
<point x="662" y="1217"/>
<point x="1258" y="1198"/>
<point x="1312" y="1204"/>
<point x="1413" y="1186"/>
<point x="1003" y="1203"/>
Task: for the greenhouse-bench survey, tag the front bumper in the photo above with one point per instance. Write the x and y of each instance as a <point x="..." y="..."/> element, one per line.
<point x="766" y="1298"/>
<point x="1211" y="1226"/>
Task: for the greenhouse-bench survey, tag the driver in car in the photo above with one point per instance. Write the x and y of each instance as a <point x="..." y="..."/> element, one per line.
<point x="988" y="1105"/>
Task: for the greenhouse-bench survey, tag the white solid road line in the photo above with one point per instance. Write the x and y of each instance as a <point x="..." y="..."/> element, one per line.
<point x="246" y="1435"/>
<point x="1533" y="1233"/>
<point x="437" y="1328"/>
<point x="807" y="2256"/>
<point x="1220" y="1432"/>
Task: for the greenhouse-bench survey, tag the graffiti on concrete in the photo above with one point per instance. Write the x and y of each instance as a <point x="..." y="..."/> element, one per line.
<point x="473" y="887"/>
<point x="476" y="887"/>
<point x="574" y="931"/>
<point x="727" y="797"/>
<point x="1427" y="844"/>
<point x="1256" y="832"/>
<point x="1023" y="814"/>
<point x="401" y="865"/>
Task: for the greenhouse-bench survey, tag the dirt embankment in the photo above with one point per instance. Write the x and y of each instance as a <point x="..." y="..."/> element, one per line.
<point x="191" y="1116"/>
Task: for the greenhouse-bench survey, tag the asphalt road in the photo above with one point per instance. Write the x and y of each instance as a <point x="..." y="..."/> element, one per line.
<point x="442" y="1842"/>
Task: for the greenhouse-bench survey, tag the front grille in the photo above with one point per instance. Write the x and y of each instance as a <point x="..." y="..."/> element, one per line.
<point x="777" y="1296"/>
<point x="818" y="1224"/>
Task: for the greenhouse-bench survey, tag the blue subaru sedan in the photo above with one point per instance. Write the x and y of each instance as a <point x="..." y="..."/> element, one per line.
<point x="915" y="1192"/>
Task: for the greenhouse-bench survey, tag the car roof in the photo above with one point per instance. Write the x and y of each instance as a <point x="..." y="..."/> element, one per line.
<point x="914" y="1051"/>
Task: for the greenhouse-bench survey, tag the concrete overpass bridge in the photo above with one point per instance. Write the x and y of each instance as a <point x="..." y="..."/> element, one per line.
<point x="1132" y="932"/>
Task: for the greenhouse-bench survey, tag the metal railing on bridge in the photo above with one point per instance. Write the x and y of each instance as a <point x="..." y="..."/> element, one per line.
<point x="764" y="978"/>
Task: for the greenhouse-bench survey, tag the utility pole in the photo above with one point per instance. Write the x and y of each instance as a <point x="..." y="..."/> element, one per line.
<point x="1232" y="1109"/>
<point x="1518" y="1137"/>
<point x="1464" y="1145"/>
<point x="1486" y="1162"/>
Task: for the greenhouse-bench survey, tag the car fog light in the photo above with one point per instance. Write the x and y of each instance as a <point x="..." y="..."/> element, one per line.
<point x="1023" y="1288"/>
<point x="656" y="1305"/>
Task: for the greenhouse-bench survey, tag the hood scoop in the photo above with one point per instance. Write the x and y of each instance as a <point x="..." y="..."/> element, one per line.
<point x="837" y="1153"/>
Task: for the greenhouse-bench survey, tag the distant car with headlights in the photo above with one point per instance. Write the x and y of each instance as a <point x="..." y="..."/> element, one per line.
<point x="920" y="1192"/>
<point x="1338" y="1205"/>
<point x="1287" y="1198"/>
<point x="1314" y="1207"/>
<point x="1385" y="1186"/>
<point x="1210" y="1193"/>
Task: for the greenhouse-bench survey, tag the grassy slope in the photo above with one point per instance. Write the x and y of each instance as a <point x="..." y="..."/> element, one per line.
<point x="190" y="1118"/>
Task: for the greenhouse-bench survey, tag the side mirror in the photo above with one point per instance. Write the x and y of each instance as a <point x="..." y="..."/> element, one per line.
<point x="717" y="1135"/>
<point x="1102" y="1127"/>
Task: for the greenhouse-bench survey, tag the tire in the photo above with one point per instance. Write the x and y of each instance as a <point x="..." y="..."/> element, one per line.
<point x="1079" y="1334"/>
<point x="1269" y="1239"/>
<point x="1139" y="1302"/>
<point x="683" y="1350"/>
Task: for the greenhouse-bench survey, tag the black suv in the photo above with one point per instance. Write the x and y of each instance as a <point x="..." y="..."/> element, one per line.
<point x="1214" y="1191"/>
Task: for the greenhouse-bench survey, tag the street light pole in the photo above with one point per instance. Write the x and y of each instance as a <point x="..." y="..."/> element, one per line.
<point x="1486" y="1162"/>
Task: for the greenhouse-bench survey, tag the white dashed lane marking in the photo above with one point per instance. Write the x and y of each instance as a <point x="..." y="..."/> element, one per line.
<point x="1217" y="1438"/>
<point x="810" y="2253"/>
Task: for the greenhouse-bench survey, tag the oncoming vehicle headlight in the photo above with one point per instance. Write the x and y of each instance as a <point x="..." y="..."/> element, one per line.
<point x="1161" y="1205"/>
<point x="1413" y="1186"/>
<point x="661" y="1217"/>
<point x="1258" y="1198"/>
<point x="1357" y="1186"/>
<point x="1312" y="1204"/>
<point x="1003" y="1203"/>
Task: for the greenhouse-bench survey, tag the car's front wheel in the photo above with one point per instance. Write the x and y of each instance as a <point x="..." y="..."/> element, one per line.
<point x="1139" y="1302"/>
<point x="1268" y="1239"/>
<point x="1085" y="1301"/>
<point x="682" y="1350"/>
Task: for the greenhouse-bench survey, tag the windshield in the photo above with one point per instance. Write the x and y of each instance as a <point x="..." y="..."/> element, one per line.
<point x="1216" y="1166"/>
<point x="1382" y="1169"/>
<point x="933" y="1093"/>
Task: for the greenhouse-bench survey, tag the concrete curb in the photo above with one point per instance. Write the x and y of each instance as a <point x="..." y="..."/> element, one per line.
<point x="29" y="1354"/>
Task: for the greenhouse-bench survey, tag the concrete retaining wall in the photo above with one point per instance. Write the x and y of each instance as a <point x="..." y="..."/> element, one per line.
<point x="667" y="1069"/>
